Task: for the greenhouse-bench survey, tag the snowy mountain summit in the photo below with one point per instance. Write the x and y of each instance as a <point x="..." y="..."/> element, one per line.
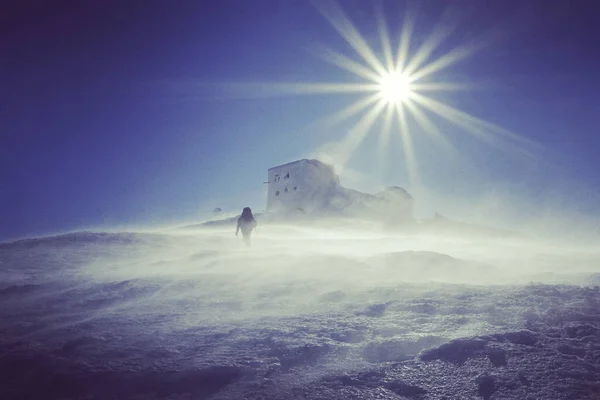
<point x="311" y="187"/>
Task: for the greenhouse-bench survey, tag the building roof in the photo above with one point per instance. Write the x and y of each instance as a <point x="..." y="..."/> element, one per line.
<point x="317" y="162"/>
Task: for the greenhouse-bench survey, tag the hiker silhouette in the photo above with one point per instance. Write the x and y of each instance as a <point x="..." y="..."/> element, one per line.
<point x="246" y="223"/>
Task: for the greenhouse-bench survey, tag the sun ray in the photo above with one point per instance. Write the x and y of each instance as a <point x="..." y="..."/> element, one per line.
<point x="407" y="146"/>
<point x="447" y="60"/>
<point x="384" y="37"/>
<point x="469" y="123"/>
<point x="272" y="89"/>
<point x="404" y="45"/>
<point x="323" y="88"/>
<point x="338" y="19"/>
<point x="433" y="41"/>
<point x="481" y="129"/>
<point x="430" y="128"/>
<point x="348" y="64"/>
<point x="465" y="119"/>
<point x="385" y="136"/>
<point x="349" y="111"/>
<point x="355" y="136"/>
<point x="441" y="87"/>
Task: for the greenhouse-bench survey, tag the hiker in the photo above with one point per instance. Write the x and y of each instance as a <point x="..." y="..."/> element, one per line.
<point x="246" y="223"/>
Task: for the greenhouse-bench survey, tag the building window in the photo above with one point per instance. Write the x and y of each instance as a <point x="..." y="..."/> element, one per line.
<point x="286" y="176"/>
<point x="295" y="188"/>
<point x="277" y="193"/>
<point x="285" y="190"/>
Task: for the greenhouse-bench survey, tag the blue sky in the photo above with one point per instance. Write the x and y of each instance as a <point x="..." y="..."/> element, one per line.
<point x="109" y="114"/>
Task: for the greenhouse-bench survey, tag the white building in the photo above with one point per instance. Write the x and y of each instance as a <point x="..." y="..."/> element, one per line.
<point x="312" y="187"/>
<point x="300" y="185"/>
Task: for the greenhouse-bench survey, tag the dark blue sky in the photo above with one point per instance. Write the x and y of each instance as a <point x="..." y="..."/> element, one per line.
<point x="107" y="117"/>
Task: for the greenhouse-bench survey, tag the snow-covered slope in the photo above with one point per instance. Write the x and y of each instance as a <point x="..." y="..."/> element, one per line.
<point x="305" y="314"/>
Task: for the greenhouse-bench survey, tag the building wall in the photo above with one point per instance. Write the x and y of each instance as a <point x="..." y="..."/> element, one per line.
<point x="283" y="186"/>
<point x="303" y="184"/>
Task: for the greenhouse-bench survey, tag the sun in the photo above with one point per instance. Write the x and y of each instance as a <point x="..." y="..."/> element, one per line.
<point x="394" y="87"/>
<point x="397" y="87"/>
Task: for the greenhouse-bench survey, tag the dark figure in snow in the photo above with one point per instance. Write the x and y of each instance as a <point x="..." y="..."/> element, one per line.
<point x="246" y="223"/>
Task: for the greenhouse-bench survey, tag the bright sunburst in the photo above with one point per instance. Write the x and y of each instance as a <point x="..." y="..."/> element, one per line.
<point x="395" y="88"/>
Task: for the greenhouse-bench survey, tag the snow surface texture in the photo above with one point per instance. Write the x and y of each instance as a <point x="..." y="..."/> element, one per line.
<point x="305" y="314"/>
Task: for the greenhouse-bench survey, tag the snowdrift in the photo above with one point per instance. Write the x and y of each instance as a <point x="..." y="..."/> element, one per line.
<point x="305" y="314"/>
